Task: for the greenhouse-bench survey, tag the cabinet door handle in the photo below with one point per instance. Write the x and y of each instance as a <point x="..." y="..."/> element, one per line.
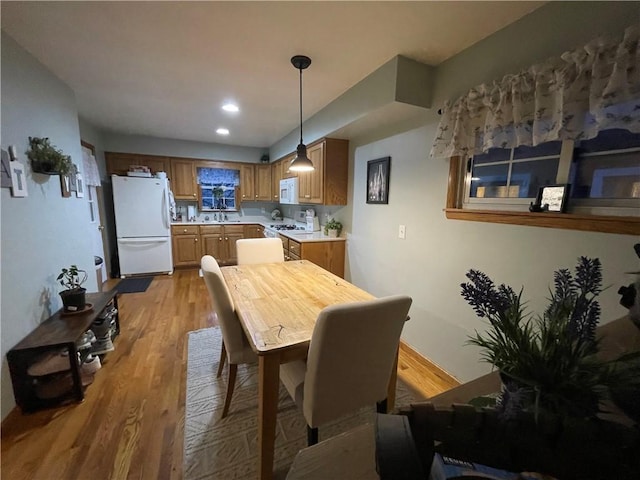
<point x="220" y="238"/>
<point x="195" y="239"/>
<point x="307" y="196"/>
<point x="226" y="238"/>
<point x="256" y="196"/>
<point x="185" y="230"/>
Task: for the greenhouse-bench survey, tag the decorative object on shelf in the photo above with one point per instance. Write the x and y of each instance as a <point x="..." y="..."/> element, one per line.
<point x="378" y="180"/>
<point x="333" y="228"/>
<point x="549" y="363"/>
<point x="47" y="159"/>
<point x="18" y="180"/>
<point x="264" y="158"/>
<point x="551" y="198"/>
<point x="73" y="298"/>
<point x="301" y="163"/>
<point x="630" y="295"/>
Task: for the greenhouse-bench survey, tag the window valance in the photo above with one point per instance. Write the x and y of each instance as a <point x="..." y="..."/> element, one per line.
<point x="573" y="97"/>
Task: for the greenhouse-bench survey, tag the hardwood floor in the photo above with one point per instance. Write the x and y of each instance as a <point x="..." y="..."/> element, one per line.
<point x="131" y="423"/>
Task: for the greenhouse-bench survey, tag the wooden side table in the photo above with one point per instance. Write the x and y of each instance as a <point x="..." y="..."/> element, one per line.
<point x="58" y="332"/>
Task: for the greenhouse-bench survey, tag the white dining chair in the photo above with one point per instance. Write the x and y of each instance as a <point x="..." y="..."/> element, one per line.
<point x="352" y="353"/>
<point x="235" y="346"/>
<point x="259" y="250"/>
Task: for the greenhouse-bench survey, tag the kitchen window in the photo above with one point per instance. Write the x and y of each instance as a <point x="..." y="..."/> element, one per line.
<point x="604" y="173"/>
<point x="218" y="188"/>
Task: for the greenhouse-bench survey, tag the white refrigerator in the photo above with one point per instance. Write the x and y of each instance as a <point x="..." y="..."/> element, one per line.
<point x="143" y="225"/>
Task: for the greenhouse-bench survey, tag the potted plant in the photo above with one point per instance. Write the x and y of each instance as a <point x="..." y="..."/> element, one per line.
<point x="73" y="297"/>
<point x="549" y="362"/>
<point x="46" y="158"/>
<point x="332" y="228"/>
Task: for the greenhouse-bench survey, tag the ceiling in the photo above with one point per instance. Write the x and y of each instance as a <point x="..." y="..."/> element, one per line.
<point x="164" y="68"/>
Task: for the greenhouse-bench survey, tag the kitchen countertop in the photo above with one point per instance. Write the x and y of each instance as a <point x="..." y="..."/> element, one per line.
<point x="297" y="235"/>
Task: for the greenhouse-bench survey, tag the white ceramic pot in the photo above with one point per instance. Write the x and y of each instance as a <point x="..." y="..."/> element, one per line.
<point x="332" y="233"/>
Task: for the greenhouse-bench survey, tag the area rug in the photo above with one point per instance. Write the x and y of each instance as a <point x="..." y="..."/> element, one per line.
<point x="216" y="448"/>
<point x="134" y="284"/>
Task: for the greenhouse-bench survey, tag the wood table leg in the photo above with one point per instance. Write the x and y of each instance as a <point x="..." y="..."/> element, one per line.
<point x="268" y="387"/>
<point x="391" y="389"/>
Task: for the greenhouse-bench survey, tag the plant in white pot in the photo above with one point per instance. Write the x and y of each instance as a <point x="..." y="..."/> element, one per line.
<point x="73" y="297"/>
<point x="333" y="228"/>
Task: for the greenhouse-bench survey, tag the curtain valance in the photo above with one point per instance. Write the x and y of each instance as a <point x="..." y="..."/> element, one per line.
<point x="573" y="97"/>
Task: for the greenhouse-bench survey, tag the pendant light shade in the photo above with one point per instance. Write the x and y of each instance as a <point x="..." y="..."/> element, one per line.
<point x="301" y="163"/>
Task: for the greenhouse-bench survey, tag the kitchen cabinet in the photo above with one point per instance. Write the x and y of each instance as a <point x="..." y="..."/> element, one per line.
<point x="326" y="254"/>
<point x="327" y="184"/>
<point x="219" y="241"/>
<point x="247" y="179"/>
<point x="255" y="183"/>
<point x="262" y="183"/>
<point x="253" y="231"/>
<point x="119" y="163"/>
<point x="183" y="179"/>
<point x="276" y="175"/>
<point x="286" y="173"/>
<point x="33" y="390"/>
<point x="185" y="241"/>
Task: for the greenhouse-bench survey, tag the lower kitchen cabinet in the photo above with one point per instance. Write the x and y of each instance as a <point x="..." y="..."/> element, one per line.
<point x="253" y="231"/>
<point x="220" y="242"/>
<point x="326" y="254"/>
<point x="185" y="241"/>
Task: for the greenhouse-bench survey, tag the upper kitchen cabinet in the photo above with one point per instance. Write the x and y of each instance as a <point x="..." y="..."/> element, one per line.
<point x="247" y="190"/>
<point x="327" y="184"/>
<point x="183" y="179"/>
<point x="276" y="176"/>
<point x="255" y="183"/>
<point x="120" y="163"/>
<point x="262" y="184"/>
<point x="286" y="173"/>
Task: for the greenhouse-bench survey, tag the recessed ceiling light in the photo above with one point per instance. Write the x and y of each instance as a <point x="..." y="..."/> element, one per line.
<point x="222" y="131"/>
<point x="230" y="107"/>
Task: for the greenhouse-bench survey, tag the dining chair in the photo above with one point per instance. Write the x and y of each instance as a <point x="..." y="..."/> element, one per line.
<point x="259" y="250"/>
<point x="352" y="353"/>
<point x="235" y="346"/>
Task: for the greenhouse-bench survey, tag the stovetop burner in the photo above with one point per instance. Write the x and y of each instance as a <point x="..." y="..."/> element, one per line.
<point x="286" y="227"/>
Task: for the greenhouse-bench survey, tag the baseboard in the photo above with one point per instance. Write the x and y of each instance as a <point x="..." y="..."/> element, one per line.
<point x="426" y="367"/>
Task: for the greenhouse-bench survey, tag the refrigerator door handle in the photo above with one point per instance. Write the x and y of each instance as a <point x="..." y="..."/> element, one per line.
<point x="165" y="208"/>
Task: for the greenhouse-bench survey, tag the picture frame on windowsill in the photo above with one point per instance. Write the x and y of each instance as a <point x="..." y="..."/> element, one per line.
<point x="551" y="198"/>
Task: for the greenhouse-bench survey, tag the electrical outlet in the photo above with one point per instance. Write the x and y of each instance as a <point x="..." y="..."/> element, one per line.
<point x="401" y="232"/>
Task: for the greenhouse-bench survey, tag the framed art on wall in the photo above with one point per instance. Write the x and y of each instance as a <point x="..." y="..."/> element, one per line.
<point x="378" y="180"/>
<point x="79" y="185"/>
<point x="18" y="180"/>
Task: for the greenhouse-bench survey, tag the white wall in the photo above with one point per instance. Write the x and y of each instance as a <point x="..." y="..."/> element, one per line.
<point x="431" y="263"/>
<point x="180" y="148"/>
<point x="43" y="232"/>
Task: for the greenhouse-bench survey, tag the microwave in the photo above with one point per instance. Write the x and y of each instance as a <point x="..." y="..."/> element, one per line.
<point x="289" y="191"/>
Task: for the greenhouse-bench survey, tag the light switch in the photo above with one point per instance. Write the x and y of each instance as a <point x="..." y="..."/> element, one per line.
<point x="401" y="232"/>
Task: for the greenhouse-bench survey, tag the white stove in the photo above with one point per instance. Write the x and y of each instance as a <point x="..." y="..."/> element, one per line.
<point x="272" y="230"/>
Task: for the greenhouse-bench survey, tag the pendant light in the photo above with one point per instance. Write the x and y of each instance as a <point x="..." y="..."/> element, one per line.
<point x="301" y="163"/>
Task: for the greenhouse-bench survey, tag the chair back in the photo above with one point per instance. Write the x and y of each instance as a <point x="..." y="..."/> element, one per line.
<point x="232" y="333"/>
<point x="351" y="356"/>
<point x="259" y="250"/>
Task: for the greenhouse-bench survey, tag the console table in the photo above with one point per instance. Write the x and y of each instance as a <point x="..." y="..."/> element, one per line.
<point x="58" y="332"/>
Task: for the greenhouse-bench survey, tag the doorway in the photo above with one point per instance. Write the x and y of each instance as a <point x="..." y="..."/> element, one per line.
<point x="97" y="218"/>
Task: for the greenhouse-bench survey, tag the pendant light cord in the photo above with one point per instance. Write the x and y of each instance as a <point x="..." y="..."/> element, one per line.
<point x="300" y="105"/>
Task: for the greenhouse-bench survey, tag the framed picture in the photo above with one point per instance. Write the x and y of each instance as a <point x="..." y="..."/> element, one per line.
<point x="18" y="180"/>
<point x="378" y="180"/>
<point x="65" y="185"/>
<point x="552" y="198"/>
<point x="79" y="185"/>
<point x="5" y="170"/>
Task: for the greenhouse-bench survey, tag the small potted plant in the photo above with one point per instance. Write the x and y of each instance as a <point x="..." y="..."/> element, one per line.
<point x="332" y="228"/>
<point x="46" y="158"/>
<point x="73" y="297"/>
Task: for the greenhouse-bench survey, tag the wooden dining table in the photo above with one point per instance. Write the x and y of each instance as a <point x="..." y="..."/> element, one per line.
<point x="278" y="304"/>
